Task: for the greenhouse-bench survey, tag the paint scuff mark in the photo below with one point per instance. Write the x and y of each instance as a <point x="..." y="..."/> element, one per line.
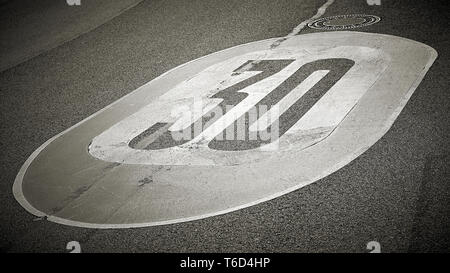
<point x="145" y="181"/>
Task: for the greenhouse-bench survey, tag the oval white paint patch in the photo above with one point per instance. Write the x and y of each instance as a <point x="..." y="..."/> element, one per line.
<point x="143" y="160"/>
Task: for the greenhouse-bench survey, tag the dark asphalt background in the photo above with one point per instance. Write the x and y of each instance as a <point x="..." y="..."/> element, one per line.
<point x="396" y="193"/>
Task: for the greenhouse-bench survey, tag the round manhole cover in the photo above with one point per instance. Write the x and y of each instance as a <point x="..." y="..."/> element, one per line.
<point x="341" y="22"/>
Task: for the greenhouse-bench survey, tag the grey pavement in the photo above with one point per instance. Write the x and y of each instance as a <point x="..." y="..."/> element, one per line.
<point x="30" y="28"/>
<point x="396" y="193"/>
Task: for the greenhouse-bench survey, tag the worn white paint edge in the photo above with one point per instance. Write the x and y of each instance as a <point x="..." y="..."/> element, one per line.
<point x="302" y="25"/>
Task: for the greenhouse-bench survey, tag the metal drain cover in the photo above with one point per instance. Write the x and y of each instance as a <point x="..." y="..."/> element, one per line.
<point x="341" y="22"/>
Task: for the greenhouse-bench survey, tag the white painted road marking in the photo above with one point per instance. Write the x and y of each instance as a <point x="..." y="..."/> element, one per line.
<point x="113" y="144"/>
<point x="74" y="247"/>
<point x="63" y="181"/>
<point x="302" y="25"/>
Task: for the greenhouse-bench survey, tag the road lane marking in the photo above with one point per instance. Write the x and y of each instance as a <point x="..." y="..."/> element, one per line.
<point x="64" y="182"/>
<point x="321" y="11"/>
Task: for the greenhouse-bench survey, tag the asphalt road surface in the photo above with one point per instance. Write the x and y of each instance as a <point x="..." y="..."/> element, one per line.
<point x="396" y="193"/>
